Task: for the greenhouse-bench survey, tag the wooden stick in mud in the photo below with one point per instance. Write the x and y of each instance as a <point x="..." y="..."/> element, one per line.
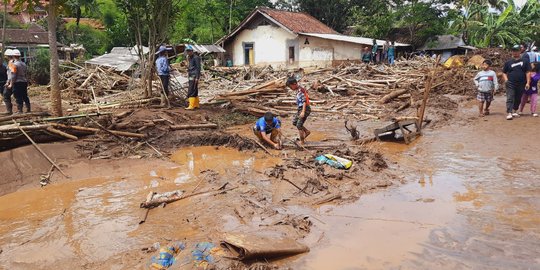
<point x="290" y="182"/>
<point x="158" y="202"/>
<point x="392" y="95"/>
<point x="39" y="150"/>
<point x="262" y="147"/>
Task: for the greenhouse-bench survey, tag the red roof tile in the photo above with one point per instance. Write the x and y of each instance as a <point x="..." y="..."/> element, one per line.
<point x="298" y="22"/>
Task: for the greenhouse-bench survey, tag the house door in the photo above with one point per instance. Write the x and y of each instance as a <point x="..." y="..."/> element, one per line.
<point x="249" y="56"/>
<point x="291" y="55"/>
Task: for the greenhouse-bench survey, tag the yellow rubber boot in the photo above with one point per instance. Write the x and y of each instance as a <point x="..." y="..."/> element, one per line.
<point x="191" y="102"/>
<point x="196" y="105"/>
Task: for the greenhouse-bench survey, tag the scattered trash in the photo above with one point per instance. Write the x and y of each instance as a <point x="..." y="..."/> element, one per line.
<point x="166" y="256"/>
<point x="203" y="254"/>
<point x="334" y="161"/>
<point x="245" y="247"/>
<point x="152" y="248"/>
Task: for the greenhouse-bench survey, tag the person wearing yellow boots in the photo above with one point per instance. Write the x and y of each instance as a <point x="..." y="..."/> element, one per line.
<point x="194" y="73"/>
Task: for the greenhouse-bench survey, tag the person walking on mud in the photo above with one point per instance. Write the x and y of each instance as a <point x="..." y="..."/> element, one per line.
<point x="486" y="83"/>
<point x="194" y="74"/>
<point x="18" y="82"/>
<point x="303" y="106"/>
<point x="517" y="77"/>
<point x="269" y="125"/>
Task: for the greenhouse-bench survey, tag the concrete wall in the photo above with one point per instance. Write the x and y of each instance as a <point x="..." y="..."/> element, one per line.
<point x="324" y="52"/>
<point x="270" y="45"/>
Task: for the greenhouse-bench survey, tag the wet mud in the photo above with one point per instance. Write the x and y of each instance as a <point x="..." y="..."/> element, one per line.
<point x="461" y="197"/>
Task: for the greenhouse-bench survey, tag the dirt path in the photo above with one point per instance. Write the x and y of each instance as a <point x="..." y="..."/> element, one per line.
<point x="471" y="203"/>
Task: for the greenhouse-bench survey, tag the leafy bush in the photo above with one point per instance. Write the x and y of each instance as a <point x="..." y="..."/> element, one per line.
<point x="39" y="67"/>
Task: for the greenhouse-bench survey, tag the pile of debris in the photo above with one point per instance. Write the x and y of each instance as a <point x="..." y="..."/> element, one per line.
<point x="357" y="90"/>
<point x="85" y="83"/>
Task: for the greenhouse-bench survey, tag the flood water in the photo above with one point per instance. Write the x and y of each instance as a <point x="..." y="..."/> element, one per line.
<point x="93" y="220"/>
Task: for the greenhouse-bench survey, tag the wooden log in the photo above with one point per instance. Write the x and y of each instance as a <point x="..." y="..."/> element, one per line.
<point x="392" y="95"/>
<point x="17" y="127"/>
<point x="193" y="126"/>
<point x="376" y="85"/>
<point x="94" y="130"/>
<point x="21" y="116"/>
<point x="61" y="133"/>
<point x="88" y="79"/>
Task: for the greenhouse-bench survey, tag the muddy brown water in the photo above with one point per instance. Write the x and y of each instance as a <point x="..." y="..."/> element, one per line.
<point x="471" y="202"/>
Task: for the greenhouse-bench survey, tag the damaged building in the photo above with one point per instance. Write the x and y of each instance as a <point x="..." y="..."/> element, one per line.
<point x="290" y="39"/>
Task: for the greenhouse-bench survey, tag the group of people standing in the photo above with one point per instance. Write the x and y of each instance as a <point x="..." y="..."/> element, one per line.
<point x="521" y="75"/>
<point x="380" y="54"/>
<point x="13" y="82"/>
<point x="163" y="69"/>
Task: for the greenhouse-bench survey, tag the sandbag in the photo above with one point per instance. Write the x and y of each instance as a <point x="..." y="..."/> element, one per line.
<point x="246" y="247"/>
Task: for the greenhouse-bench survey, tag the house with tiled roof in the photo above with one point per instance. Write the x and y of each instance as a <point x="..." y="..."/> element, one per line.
<point x="290" y="39"/>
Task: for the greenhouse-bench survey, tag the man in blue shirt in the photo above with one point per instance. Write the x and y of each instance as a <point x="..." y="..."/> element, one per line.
<point x="163" y="68"/>
<point x="268" y="125"/>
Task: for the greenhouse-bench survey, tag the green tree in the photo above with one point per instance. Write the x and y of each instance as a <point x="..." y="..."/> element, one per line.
<point x="335" y="14"/>
<point x="96" y="42"/>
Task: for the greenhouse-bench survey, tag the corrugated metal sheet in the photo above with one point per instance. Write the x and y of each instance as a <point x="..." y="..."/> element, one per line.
<point x="443" y="42"/>
<point x="204" y="49"/>
<point x="120" y="58"/>
<point x="351" y="39"/>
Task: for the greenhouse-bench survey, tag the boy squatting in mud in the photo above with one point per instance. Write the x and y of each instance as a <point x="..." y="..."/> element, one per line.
<point x="270" y="125"/>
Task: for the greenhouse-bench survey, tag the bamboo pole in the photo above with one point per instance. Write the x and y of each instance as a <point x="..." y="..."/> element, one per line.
<point x="40" y="151"/>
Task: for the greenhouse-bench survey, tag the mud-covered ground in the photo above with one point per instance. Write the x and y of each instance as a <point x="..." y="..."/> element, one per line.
<point x="464" y="190"/>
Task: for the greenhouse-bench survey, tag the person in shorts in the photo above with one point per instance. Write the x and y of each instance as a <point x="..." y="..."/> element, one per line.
<point x="486" y="83"/>
<point x="303" y="106"/>
<point x="268" y="130"/>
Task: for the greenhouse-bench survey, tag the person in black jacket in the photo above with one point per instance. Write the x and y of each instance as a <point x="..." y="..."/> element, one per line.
<point x="517" y="75"/>
<point x="194" y="74"/>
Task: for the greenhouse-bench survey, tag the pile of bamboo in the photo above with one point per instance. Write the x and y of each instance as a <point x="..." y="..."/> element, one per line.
<point x="87" y="83"/>
<point x="357" y="90"/>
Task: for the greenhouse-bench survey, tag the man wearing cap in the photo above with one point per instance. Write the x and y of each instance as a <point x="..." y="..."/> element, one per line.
<point x="517" y="75"/>
<point x="18" y="82"/>
<point x="163" y="69"/>
<point x="268" y="125"/>
<point x="194" y="73"/>
<point x="6" y="75"/>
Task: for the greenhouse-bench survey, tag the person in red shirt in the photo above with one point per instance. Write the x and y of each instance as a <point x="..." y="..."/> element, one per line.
<point x="304" y="108"/>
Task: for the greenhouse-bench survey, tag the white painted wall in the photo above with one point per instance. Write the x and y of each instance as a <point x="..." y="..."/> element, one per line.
<point x="271" y="48"/>
<point x="322" y="52"/>
<point x="270" y="45"/>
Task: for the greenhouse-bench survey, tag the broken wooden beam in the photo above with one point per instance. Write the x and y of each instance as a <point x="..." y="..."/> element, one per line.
<point x="193" y="126"/>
